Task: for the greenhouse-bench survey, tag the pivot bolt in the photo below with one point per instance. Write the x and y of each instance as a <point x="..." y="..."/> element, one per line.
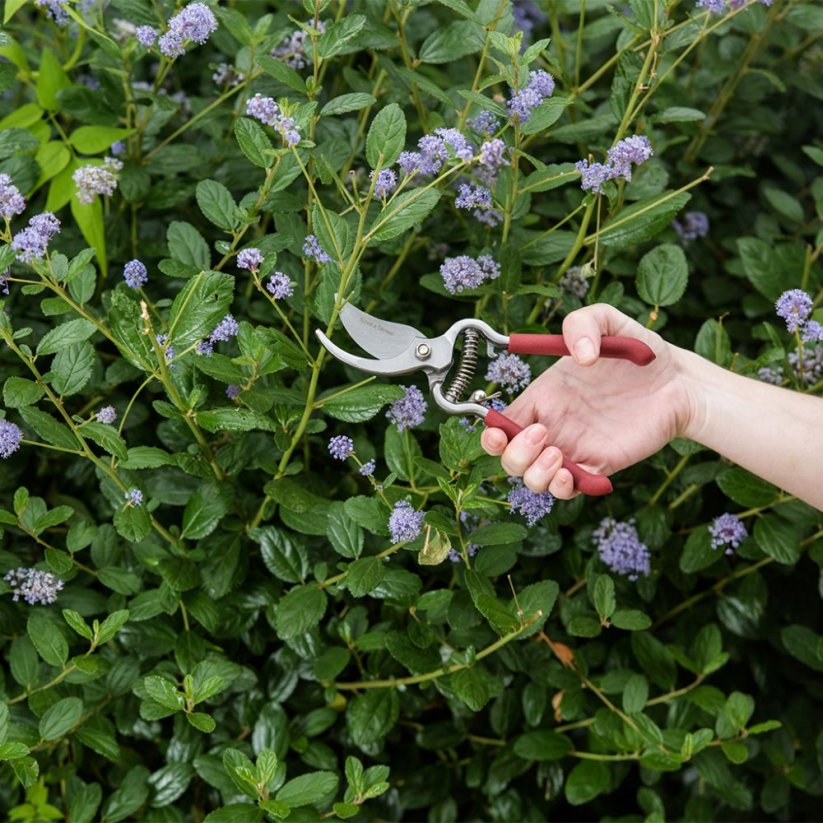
<point x="423" y="351"/>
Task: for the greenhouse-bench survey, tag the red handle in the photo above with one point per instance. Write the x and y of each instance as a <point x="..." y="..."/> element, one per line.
<point x="592" y="484"/>
<point x="626" y="348"/>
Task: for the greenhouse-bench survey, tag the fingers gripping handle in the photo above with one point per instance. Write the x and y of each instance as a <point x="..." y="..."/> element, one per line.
<point x="592" y="484"/>
<point x="626" y="348"/>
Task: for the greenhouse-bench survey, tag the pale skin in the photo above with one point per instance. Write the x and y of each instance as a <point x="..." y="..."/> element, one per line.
<point x="608" y="414"/>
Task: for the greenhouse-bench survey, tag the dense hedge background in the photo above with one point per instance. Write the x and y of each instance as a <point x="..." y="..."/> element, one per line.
<point x="223" y="623"/>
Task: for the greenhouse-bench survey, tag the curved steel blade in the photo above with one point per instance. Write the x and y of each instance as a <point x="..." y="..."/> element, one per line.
<point x="380" y="338"/>
<point x="402" y="364"/>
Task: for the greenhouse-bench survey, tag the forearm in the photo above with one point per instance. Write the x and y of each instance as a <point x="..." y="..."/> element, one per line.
<point x="773" y="432"/>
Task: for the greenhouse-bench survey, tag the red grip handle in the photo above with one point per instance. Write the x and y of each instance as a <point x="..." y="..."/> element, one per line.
<point x="592" y="484"/>
<point x="626" y="348"/>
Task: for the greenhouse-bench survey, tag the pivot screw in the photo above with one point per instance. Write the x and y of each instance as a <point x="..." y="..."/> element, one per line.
<point x="423" y="351"/>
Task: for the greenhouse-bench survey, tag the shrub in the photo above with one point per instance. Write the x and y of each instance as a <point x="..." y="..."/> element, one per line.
<point x="243" y="582"/>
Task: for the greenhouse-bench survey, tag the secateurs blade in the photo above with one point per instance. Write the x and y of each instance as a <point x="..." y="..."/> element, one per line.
<point x="400" y="349"/>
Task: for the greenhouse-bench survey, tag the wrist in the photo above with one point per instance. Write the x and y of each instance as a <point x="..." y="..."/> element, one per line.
<point x="693" y="380"/>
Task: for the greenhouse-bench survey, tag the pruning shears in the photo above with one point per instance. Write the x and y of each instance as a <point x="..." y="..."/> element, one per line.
<point x="401" y="349"/>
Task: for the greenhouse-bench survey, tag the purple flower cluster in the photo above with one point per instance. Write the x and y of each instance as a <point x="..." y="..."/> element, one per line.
<point x="533" y="506"/>
<point x="249" y="259"/>
<point x="632" y="151"/>
<point x="527" y="15"/>
<point x="794" y="306"/>
<point x="292" y="50"/>
<point x="385" y="182"/>
<point x="221" y="333"/>
<point x="135" y="274"/>
<point x="192" y="24"/>
<point x="97" y="179"/>
<point x="227" y="76"/>
<point x="314" y="251"/>
<point x="146" y="35"/>
<point x="409" y="410"/>
<point x="233" y="392"/>
<point x="11" y="201"/>
<point x="10" y="437"/>
<point x="727" y="530"/>
<point x="719" y="6"/>
<point x="574" y="282"/>
<point x="464" y="272"/>
<point x="405" y="524"/>
<point x="33" y="586"/>
<point x="484" y="123"/>
<point x="4" y="282"/>
<point x="55" y="9"/>
<point x="456" y="557"/>
<point x="367" y="469"/>
<point x="812" y="332"/>
<point x="341" y="447"/>
<point x="809" y="368"/>
<point x="434" y="151"/>
<point x="163" y="342"/>
<point x="620" y="548"/>
<point x="521" y="104"/>
<point x="33" y="241"/>
<point x="695" y="224"/>
<point x="509" y="372"/>
<point x="472" y="196"/>
<point x="266" y="110"/>
<point x="133" y="497"/>
<point x="106" y="415"/>
<point x="280" y="286"/>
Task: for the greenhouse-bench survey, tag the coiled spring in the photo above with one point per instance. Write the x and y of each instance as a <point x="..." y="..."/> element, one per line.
<point x="466" y="366"/>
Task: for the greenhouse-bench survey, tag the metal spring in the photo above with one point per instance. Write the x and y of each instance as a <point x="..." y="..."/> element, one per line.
<point x="466" y="366"/>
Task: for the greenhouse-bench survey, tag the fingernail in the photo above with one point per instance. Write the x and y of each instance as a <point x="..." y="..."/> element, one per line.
<point x="584" y="350"/>
<point x="535" y="435"/>
<point x="549" y="457"/>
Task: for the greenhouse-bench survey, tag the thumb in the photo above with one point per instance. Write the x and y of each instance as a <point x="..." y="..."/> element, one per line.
<point x="584" y="328"/>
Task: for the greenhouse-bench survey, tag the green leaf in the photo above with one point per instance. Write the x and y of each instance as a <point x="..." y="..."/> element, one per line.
<point x="364" y="575"/>
<point x="146" y="457"/>
<point x="280" y="71"/>
<point x="49" y="429"/>
<point x="105" y="436"/>
<point x="784" y="204"/>
<point x="23" y="661"/>
<point x="20" y="391"/>
<point x="13" y="751"/>
<point x="187" y="245"/>
<point x="452" y="41"/>
<point x="804" y="644"/>
<point x="60" y="718"/>
<point x="72" y="368"/>
<point x="635" y="694"/>
<point x="164" y="692"/>
<point x="345" y="103"/>
<point x="84" y="801"/>
<point x="234" y="419"/>
<point x="642" y="220"/>
<point x="338" y="35"/>
<point x="550" y="177"/>
<point x="345" y="535"/>
<point x="631" y="620"/>
<point x="386" y="137"/>
<point x="542" y="745"/>
<point x="762" y="267"/>
<point x="371" y="715"/>
<point x="745" y="488"/>
<point x="48" y="640"/>
<point x="75" y="620"/>
<point x="308" y="789"/>
<point x="129" y="796"/>
<point x="111" y="625"/>
<point x="679" y="114"/>
<point x="361" y="404"/>
<point x="202" y="722"/>
<point x="545" y="115"/>
<point x="406" y="210"/>
<point x="66" y="334"/>
<point x="11" y="8"/>
<point x="132" y="523"/>
<point x="169" y="783"/>
<point x="778" y="539"/>
<point x="199" y="306"/>
<point x="655" y="659"/>
<point x="96" y="139"/>
<point x="496" y="534"/>
<point x="50" y="79"/>
<point x="254" y="142"/>
<point x="284" y="556"/>
<point x="698" y="553"/>
<point x="206" y="507"/>
<point x="500" y="617"/>
<point x="586" y="781"/>
<point x="662" y="275"/>
<point x="217" y="205"/>
<point x="603" y="597"/>
<point x="89" y="219"/>
<point x="299" y="611"/>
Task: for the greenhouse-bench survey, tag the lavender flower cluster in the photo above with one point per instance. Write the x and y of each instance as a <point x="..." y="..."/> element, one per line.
<point x="135" y="274"/>
<point x="534" y="506"/>
<point x="267" y="111"/>
<point x="631" y="151"/>
<point x="464" y="272"/>
<point x="192" y="24"/>
<point x="695" y="224"/>
<point x="509" y="372"/>
<point x="405" y="524"/>
<point x="795" y="307"/>
<point x="620" y="548"/>
<point x="314" y="251"/>
<point x="540" y="86"/>
<point x="10" y="437"/>
<point x="455" y="557"/>
<point x="409" y="410"/>
<point x="32" y="242"/>
<point x="720" y="6"/>
<point x="33" y="586"/>
<point x="11" y="201"/>
<point x="434" y="151"/>
<point x="727" y="531"/>
<point x="292" y="49"/>
<point x="221" y="333"/>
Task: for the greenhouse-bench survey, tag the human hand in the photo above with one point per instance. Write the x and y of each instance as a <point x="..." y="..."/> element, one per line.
<point x="602" y="414"/>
